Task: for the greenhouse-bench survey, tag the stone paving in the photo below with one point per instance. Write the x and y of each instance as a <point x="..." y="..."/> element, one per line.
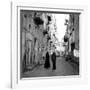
<point x="63" y="68"/>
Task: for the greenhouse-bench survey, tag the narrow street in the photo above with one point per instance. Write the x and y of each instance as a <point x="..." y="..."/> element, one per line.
<point x="63" y="68"/>
<point x="44" y="34"/>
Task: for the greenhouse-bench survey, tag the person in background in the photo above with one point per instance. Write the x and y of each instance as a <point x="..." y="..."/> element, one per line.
<point x="72" y="41"/>
<point x="53" y="59"/>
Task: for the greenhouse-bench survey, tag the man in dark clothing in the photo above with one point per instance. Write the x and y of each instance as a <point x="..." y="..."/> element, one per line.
<point x="72" y="47"/>
<point x="53" y="58"/>
<point x="47" y="62"/>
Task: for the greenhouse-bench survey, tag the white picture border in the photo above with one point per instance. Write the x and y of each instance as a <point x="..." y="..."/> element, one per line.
<point x="15" y="35"/>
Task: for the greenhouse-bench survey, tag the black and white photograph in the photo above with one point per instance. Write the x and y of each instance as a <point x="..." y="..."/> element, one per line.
<point x="49" y="43"/>
<point x="45" y="45"/>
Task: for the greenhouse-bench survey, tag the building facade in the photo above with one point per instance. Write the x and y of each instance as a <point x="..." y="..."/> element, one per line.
<point x="72" y="32"/>
<point x="35" y="37"/>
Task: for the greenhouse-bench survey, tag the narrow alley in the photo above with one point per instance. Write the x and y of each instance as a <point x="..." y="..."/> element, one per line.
<point x="49" y="40"/>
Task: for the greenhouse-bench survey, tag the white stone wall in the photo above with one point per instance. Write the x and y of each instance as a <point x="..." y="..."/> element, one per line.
<point x="29" y="33"/>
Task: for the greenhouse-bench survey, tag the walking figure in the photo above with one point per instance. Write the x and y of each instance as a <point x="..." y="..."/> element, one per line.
<point x="53" y="58"/>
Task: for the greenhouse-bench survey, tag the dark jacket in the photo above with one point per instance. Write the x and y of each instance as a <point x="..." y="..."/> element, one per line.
<point x="53" y="56"/>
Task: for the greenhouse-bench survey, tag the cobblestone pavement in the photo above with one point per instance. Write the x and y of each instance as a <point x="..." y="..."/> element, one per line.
<point x="63" y="68"/>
